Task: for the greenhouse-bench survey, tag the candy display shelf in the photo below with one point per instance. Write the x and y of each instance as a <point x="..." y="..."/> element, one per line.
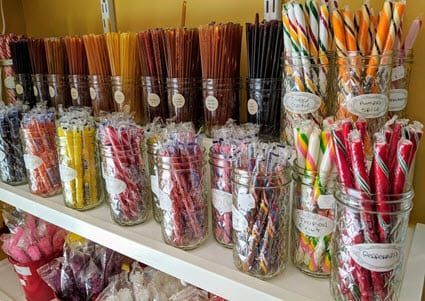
<point x="210" y="266"/>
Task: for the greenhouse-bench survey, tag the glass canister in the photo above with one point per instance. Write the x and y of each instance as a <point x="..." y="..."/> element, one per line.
<point x="221" y="102"/>
<point x="8" y="81"/>
<point x="260" y="219"/>
<point x="24" y="90"/>
<point x="100" y="94"/>
<point x="154" y="93"/>
<point x="126" y="95"/>
<point x="362" y="270"/>
<point x="400" y="80"/>
<point x="40" y="88"/>
<point x="264" y="105"/>
<point x="152" y="154"/>
<point x="79" y="90"/>
<point x="184" y="102"/>
<point x="58" y="90"/>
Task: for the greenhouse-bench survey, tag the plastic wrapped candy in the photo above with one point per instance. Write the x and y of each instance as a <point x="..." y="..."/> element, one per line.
<point x="124" y="169"/>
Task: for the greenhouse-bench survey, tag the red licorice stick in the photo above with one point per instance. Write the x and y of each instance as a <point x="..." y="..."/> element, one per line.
<point x="400" y="170"/>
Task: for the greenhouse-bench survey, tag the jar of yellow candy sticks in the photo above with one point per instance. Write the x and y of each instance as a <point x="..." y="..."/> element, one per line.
<point x="79" y="161"/>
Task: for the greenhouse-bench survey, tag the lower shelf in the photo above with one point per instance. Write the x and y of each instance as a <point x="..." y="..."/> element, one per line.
<point x="10" y="288"/>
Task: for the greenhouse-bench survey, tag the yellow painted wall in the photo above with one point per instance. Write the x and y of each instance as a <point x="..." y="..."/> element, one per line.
<point x="50" y="18"/>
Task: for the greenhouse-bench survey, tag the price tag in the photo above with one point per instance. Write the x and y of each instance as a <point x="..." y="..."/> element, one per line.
<point x="178" y="101"/>
<point x="252" y="107"/>
<point x="211" y="103"/>
<point x="153" y="100"/>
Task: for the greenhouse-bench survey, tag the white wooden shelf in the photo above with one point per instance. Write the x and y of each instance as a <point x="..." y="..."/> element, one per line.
<point x="10" y="287"/>
<point x="210" y="266"/>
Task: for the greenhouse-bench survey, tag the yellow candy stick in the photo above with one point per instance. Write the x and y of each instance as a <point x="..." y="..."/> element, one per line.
<point x="69" y="138"/>
<point x="78" y="161"/>
<point x="90" y="172"/>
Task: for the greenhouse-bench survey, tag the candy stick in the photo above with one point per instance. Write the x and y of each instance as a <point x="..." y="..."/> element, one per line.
<point x="339" y="33"/>
<point x="311" y="166"/>
<point x="412" y="35"/>
<point x="399" y="172"/>
<point x="364" y="37"/>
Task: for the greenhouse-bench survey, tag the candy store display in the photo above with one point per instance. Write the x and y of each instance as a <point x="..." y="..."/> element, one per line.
<point x="123" y="168"/>
<point x="260" y="212"/>
<point x="41" y="160"/>
<point x="39" y="69"/>
<point x="8" y="93"/>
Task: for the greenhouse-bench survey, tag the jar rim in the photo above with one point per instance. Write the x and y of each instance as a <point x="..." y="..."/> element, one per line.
<point x="241" y="173"/>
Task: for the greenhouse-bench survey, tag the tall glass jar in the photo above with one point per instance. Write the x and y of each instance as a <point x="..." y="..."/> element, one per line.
<point x="100" y="94"/>
<point x="39" y="87"/>
<point x="264" y="105"/>
<point x="183" y="201"/>
<point x="400" y="80"/>
<point x="24" y="90"/>
<point x="361" y="269"/>
<point x="313" y="211"/>
<point x="221" y="102"/>
<point x="184" y="99"/>
<point x="126" y="95"/>
<point x="58" y="90"/>
<point x="261" y="221"/>
<point x="154" y="93"/>
<point x="79" y="90"/>
<point x="152" y="154"/>
<point x="8" y="82"/>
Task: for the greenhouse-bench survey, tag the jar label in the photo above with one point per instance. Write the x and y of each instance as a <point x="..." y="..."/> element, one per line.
<point x="245" y="202"/>
<point x="19" y="89"/>
<point x="222" y="201"/>
<point x="153" y="100"/>
<point x="23" y="271"/>
<point x="312" y="224"/>
<point x="9" y="82"/>
<point x="154" y="184"/>
<point x="32" y="162"/>
<point x="74" y="93"/>
<point x="398" y="99"/>
<point x="114" y="186"/>
<point x="377" y="257"/>
<point x="92" y="93"/>
<point x="252" y="107"/>
<point x="239" y="222"/>
<point x="2" y="155"/>
<point x="165" y="202"/>
<point x="368" y="105"/>
<point x="67" y="173"/>
<point x="52" y="91"/>
<point x="119" y="97"/>
<point x="398" y="73"/>
<point x="35" y="90"/>
<point x="301" y="102"/>
<point x="211" y="103"/>
<point x="178" y="101"/>
<point x="326" y="201"/>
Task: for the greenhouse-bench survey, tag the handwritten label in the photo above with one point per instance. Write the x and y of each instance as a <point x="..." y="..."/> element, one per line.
<point x="114" y="186"/>
<point x="377" y="257"/>
<point x="368" y="105"/>
<point x="211" y="103"/>
<point x="35" y="90"/>
<point x="301" y="102"/>
<point x="398" y="73"/>
<point x="326" y="201"/>
<point x="178" y="101"/>
<point x="67" y="173"/>
<point x="92" y="93"/>
<point x="398" y="99"/>
<point x="153" y="100"/>
<point x="19" y="89"/>
<point x="165" y="202"/>
<point x="222" y="201"/>
<point x="32" y="162"/>
<point x="245" y="202"/>
<point x="252" y="107"/>
<point x="239" y="222"/>
<point x="9" y="82"/>
<point x="119" y="97"/>
<point x="312" y="224"/>
<point x="52" y="91"/>
<point x="24" y="271"/>
<point x="74" y="93"/>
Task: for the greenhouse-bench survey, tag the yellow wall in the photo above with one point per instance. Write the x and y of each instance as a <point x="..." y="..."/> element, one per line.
<point x="50" y="18"/>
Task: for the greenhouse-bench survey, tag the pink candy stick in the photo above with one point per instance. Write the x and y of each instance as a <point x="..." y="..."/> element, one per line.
<point x="412" y="35"/>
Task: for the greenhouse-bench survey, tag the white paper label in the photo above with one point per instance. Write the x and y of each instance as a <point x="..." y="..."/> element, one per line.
<point x="67" y="173"/>
<point x="35" y="90"/>
<point x="239" y="222"/>
<point x="9" y="82"/>
<point x="32" y="162"/>
<point x="368" y="105"/>
<point x="245" y="202"/>
<point x="326" y="201"/>
<point x="312" y="224"/>
<point x="164" y="201"/>
<point x="377" y="257"/>
<point x="74" y="93"/>
<point x="398" y="73"/>
<point x="92" y="93"/>
<point x="119" y="97"/>
<point x="154" y="184"/>
<point x="222" y="201"/>
<point x="153" y="100"/>
<point x="211" y="103"/>
<point x="52" y="91"/>
<point x="398" y="99"/>
<point x="252" y="107"/>
<point x="2" y="155"/>
<point x="24" y="271"/>
<point x="301" y="102"/>
<point x="19" y="89"/>
<point x="178" y="101"/>
<point x="115" y="186"/>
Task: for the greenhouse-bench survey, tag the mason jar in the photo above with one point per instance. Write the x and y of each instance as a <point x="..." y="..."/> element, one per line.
<point x="400" y="81"/>
<point x="8" y="81"/>
<point x="100" y="94"/>
<point x="154" y="94"/>
<point x="184" y="103"/>
<point x="24" y="89"/>
<point x="126" y="95"/>
<point x="39" y="88"/>
<point x="58" y="90"/>
<point x="79" y="90"/>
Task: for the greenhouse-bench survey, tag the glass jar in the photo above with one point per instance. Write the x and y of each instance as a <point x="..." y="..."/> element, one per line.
<point x="154" y="93"/>
<point x="100" y="94"/>
<point x="361" y="269"/>
<point x="39" y="87"/>
<point x="184" y="100"/>
<point x="152" y="154"/>
<point x="362" y="88"/>
<point x="126" y="95"/>
<point x="261" y="221"/>
<point x="79" y="90"/>
<point x="8" y="82"/>
<point x="400" y="80"/>
<point x="221" y="102"/>
<point x="263" y="106"/>
<point x="183" y="201"/>
<point x="58" y="90"/>
<point x="313" y="211"/>
<point x="307" y="83"/>
<point x="24" y="90"/>
<point x="221" y="197"/>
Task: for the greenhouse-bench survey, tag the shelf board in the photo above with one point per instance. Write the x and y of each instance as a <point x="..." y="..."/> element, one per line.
<point x="10" y="287"/>
<point x="209" y="267"/>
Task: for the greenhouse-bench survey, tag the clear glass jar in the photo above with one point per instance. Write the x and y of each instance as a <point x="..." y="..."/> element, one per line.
<point x="362" y="88"/>
<point x="58" y="90"/>
<point x="261" y="221"/>
<point x="126" y="95"/>
<point x="126" y="184"/>
<point x="24" y="90"/>
<point x="79" y="90"/>
<point x="221" y="102"/>
<point x="400" y="81"/>
<point x="100" y="94"/>
<point x="184" y="100"/>
<point x="264" y="105"/>
<point x="221" y="197"/>
<point x="8" y="82"/>
<point x="307" y="84"/>
<point x="362" y="269"/>
<point x="154" y="93"/>
<point x="39" y="87"/>
<point x="79" y="167"/>
<point x="183" y="201"/>
<point x="313" y="212"/>
<point x="152" y="154"/>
